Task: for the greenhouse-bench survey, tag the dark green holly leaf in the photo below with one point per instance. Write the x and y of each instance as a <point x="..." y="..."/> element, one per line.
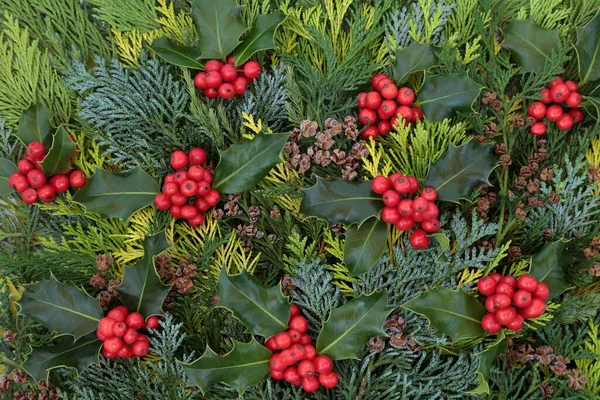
<point x="64" y="308"/>
<point x="173" y="53"/>
<point x="58" y="158"/>
<point x="461" y="169"/>
<point x="114" y="195"/>
<point x="340" y="201"/>
<point x="244" y="366"/>
<point x="219" y="27"/>
<point x="364" y="246"/>
<point x="588" y="50"/>
<point x="416" y="57"/>
<point x="592" y="103"/>
<point x="550" y="266"/>
<point x="64" y="354"/>
<point x="260" y="37"/>
<point x="442" y="96"/>
<point x="7" y="168"/>
<point x="141" y="289"/>
<point x="452" y="312"/>
<point x="349" y="327"/>
<point x="264" y="310"/>
<point x="34" y="126"/>
<point x="529" y="43"/>
<point x="486" y="358"/>
<point x="243" y="165"/>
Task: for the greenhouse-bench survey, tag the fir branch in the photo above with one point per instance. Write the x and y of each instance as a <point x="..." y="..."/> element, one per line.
<point x="126" y="15"/>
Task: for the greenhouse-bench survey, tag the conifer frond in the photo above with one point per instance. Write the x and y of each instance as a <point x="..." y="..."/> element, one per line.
<point x="590" y="367"/>
<point x="126" y="15"/>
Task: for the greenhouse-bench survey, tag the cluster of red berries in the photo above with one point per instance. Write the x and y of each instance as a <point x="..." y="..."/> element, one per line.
<point x="511" y="301"/>
<point x="33" y="184"/>
<point x="561" y="93"/>
<point x="403" y="209"/>
<point x="381" y="107"/>
<point x="225" y="80"/>
<point x="295" y="358"/>
<point x="185" y="185"/>
<point x="119" y="334"/>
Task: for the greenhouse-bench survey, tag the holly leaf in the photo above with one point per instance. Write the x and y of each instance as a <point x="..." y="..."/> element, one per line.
<point x="442" y="96"/>
<point x="219" y="27"/>
<point x="550" y="266"/>
<point x="260" y="37"/>
<point x="64" y="308"/>
<point x="416" y="57"/>
<point x="364" y="246"/>
<point x="173" y="53"/>
<point x="7" y="168"/>
<point x="486" y="358"/>
<point x="340" y="201"/>
<point x="66" y="353"/>
<point x="244" y="366"/>
<point x="114" y="195"/>
<point x="529" y="43"/>
<point x="592" y="103"/>
<point x="34" y="126"/>
<point x="452" y="312"/>
<point x="243" y="165"/>
<point x="141" y="289"/>
<point x="349" y="327"/>
<point x="58" y="159"/>
<point x="588" y="50"/>
<point x="264" y="311"/>
<point x="461" y="169"/>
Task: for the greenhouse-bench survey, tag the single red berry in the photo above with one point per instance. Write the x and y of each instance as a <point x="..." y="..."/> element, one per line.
<point x="140" y="348"/>
<point x="490" y="305"/>
<point x="323" y="364"/>
<point x="213" y="79"/>
<point x="577" y="114"/>
<point x="294" y="311"/>
<point x="283" y="340"/>
<point x="178" y="200"/>
<point x="291" y="374"/>
<point x="46" y="193"/>
<point x="572" y="86"/>
<point x="420" y="204"/>
<point x="270" y="344"/>
<point x="509" y="280"/>
<point x="106" y="354"/>
<point x="534" y="310"/>
<point x="391" y="198"/>
<point x="213" y="65"/>
<point x="384" y="127"/>
<point x="277" y="375"/>
<point x="175" y="211"/>
<point x="527" y="282"/>
<point x="554" y="112"/>
<point x="240" y="85"/>
<point x="310" y="384"/>
<point x="559" y="93"/>
<point x="431" y="225"/>
<point x="405" y="112"/>
<point x="390" y="215"/>
<point x="367" y="116"/>
<point x="196" y="156"/>
<point x="373" y="100"/>
<point x="505" y="288"/>
<point x="574" y="99"/>
<point x="538" y="129"/>
<point x="556" y="81"/>
<point x="419" y="240"/>
<point x="18" y="182"/>
<point x="200" y="80"/>
<point x="131" y="336"/>
<point x="36" y="151"/>
<point x="179" y="159"/>
<point x="542" y="291"/>
<point x="226" y="90"/>
<point x="117" y="314"/>
<point x="516" y="324"/>
<point x="298" y="352"/>
<point x="486" y="286"/>
<point x="380" y="184"/>
<point x="299" y="323"/>
<point x="196" y="173"/>
<point x="389" y="90"/>
<point x="382" y="82"/>
<point x="305" y="339"/>
<point x="180" y="177"/>
<point x="36" y="178"/>
<point x="100" y="336"/>
<point x="189" y="188"/>
<point x="295" y="334"/>
<point x="143" y="338"/>
<point x="376" y="79"/>
<point x="506" y="315"/>
<point x="496" y="276"/>
<point x="329" y="380"/>
<point x="212" y="198"/>
<point x="387" y="109"/>
<point x="432" y="212"/>
<point x="188" y="211"/>
<point x="201" y="204"/>
<point x="405" y="207"/>
<point x="402" y="185"/>
<point x="228" y="73"/>
<point x="537" y="110"/>
<point x="125" y="352"/>
<point x="309" y="352"/>
<point x="162" y="201"/>
<point x="119" y="329"/>
<point x="287" y="357"/>
<point x="370" y="132"/>
<point x="501" y="301"/>
<point x="211" y="93"/>
<point x="170" y="188"/>
<point x="252" y="69"/>
<point x="417" y="114"/>
<point x="306" y="368"/>
<point x="418" y="216"/>
<point x="135" y="320"/>
<point x="152" y="322"/>
<point x="60" y="183"/>
<point x="405" y="96"/>
<point x="545" y="96"/>
<point x="393" y="177"/>
<point x="490" y="324"/>
<point x="565" y="122"/>
<point x="429" y="194"/>
<point x="25" y="166"/>
<point x="405" y="223"/>
<point x="231" y="60"/>
<point x="29" y="196"/>
<point x="361" y="101"/>
<point x="522" y="298"/>
<point x="203" y="188"/>
<point x="414" y="184"/>
<point x="105" y="327"/>
<point x="276" y="364"/>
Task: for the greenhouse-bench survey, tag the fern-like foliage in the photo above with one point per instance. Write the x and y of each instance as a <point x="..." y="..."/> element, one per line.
<point x="9" y="145"/>
<point x="126" y="15"/>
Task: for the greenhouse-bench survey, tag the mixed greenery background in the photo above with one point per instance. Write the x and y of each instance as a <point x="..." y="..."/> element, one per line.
<point x="91" y="65"/>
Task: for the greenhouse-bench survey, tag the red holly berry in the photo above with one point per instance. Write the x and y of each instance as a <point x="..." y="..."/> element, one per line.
<point x="119" y="329"/>
<point x="18" y="182"/>
<point x="175" y="211"/>
<point x="105" y="327"/>
<point x="362" y="100"/>
<point x="380" y="184"/>
<point x="405" y="96"/>
<point x="370" y="132"/>
<point x="414" y="184"/>
<point x="490" y="324"/>
<point x="60" y="183"/>
<point x="252" y="69"/>
<point x="565" y="122"/>
<point x="367" y="116"/>
<point x="429" y="194"/>
<point x="125" y="352"/>
<point x="170" y="188"/>
<point x="299" y="323"/>
<point x="195" y="173"/>
<point x="554" y="112"/>
<point x="282" y="340"/>
<point x="276" y="364"/>
<point x="418" y="216"/>
<point x="390" y="215"/>
<point x="405" y="112"/>
<point x="574" y="99"/>
<point x="294" y="311"/>
<point x="100" y="336"/>
<point x="417" y="114"/>
<point x="228" y="73"/>
<point x="118" y="314"/>
<point x="179" y="159"/>
<point x="496" y="276"/>
<point x="376" y="80"/>
<point x="25" y="166"/>
<point x="405" y="223"/>
<point x="226" y="90"/>
<point x="387" y="109"/>
<point x="36" y="178"/>
<point x="534" y="310"/>
<point x="211" y="93"/>
<point x="46" y="193"/>
<point x="152" y="322"/>
<point x="527" y="282"/>
<point x="306" y="368"/>
<point x="162" y="201"/>
<point x="213" y="79"/>
<point x="389" y="90"/>
<point x="559" y="93"/>
<point x="212" y="198"/>
<point x="373" y="100"/>
<point x="200" y="80"/>
<point x="572" y="86"/>
<point x="203" y="188"/>
<point x="490" y="305"/>
<point x="188" y="211"/>
<point x="295" y="334"/>
<point x="323" y="364"/>
<point x="277" y="375"/>
<point x="291" y="374"/>
<point x="506" y="315"/>
<point x="106" y="354"/>
<point x="509" y="280"/>
<point x="391" y="198"/>
<point x="384" y="127"/>
<point x="213" y="65"/>
<point x="420" y="204"/>
<point x="542" y="291"/>
<point x="431" y="225"/>
<point x="419" y="240"/>
<point x="309" y="352"/>
<point x="522" y="298"/>
<point x="36" y="151"/>
<point x="298" y="352"/>
<point x="545" y="96"/>
<point x="240" y="85"/>
<point x="516" y="324"/>
<point x="382" y="82"/>
<point x="135" y="320"/>
<point x="189" y="188"/>
<point x="178" y="200"/>
<point x="310" y="384"/>
<point x="286" y="357"/>
<point x="329" y="380"/>
<point x="140" y="348"/>
<point x="501" y="300"/>
<point x="270" y="344"/>
<point x="486" y="286"/>
<point x="577" y="114"/>
<point x="537" y="110"/>
<point x="504" y="288"/>
<point x="201" y="204"/>
<point x="556" y="81"/>
<point x="405" y="207"/>
<point x="538" y="129"/>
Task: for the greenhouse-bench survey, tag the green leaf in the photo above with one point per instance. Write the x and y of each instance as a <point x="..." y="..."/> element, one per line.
<point x="265" y="311"/>
<point x="444" y="242"/>
<point x="364" y="246"/>
<point x="260" y="37"/>
<point x="114" y="195"/>
<point x="7" y="168"/>
<point x="442" y="96"/>
<point x="530" y="44"/>
<point x="416" y="57"/>
<point x="64" y="354"/>
<point x="588" y="50"/>
<point x="173" y="53"/>
<point x="461" y="169"/>
<point x="243" y="165"/>
<point x="141" y="289"/>
<point x="58" y="159"/>
<point x="452" y="312"/>
<point x="592" y="103"/>
<point x="244" y="366"/>
<point x="486" y="358"/>
<point x="349" y="327"/>
<point x="64" y="308"/>
<point x="219" y="27"/>
<point x="34" y="126"/>
<point x="340" y="201"/>
<point x="550" y="266"/>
